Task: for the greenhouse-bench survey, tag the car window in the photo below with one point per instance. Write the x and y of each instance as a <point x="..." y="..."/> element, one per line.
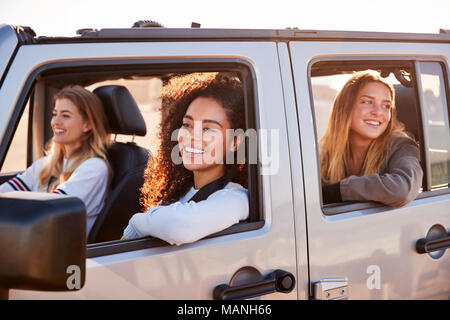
<point x="146" y="86"/>
<point x="436" y="124"/>
<point x="16" y="157"/>
<point x="328" y="78"/>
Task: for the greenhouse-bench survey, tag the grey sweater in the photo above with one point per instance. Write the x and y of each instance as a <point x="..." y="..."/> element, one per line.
<point x="398" y="182"/>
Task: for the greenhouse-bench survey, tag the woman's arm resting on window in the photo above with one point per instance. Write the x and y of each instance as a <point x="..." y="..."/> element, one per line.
<point x="398" y="186"/>
<point x="180" y="223"/>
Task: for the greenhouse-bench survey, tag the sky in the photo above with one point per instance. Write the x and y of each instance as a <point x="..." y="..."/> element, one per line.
<point x="64" y="17"/>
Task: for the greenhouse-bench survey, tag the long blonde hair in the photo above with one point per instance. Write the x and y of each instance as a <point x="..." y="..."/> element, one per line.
<point x="94" y="142"/>
<point x="335" y="146"/>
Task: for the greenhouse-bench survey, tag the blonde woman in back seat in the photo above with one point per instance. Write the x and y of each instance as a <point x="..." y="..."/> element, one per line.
<point x="365" y="154"/>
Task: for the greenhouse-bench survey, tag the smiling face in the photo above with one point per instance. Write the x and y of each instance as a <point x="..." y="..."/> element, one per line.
<point x="202" y="138"/>
<point x="371" y="113"/>
<point x="68" y="125"/>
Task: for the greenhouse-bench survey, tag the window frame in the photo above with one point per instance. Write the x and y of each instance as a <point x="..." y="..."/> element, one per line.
<point x="175" y="64"/>
<point x="351" y="206"/>
<point x="11" y="131"/>
<point x="444" y="68"/>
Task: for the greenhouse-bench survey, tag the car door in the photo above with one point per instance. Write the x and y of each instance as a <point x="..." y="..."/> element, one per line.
<point x="145" y="268"/>
<point x="370" y="251"/>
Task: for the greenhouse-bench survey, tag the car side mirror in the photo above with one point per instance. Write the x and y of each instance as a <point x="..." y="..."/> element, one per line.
<point x="42" y="242"/>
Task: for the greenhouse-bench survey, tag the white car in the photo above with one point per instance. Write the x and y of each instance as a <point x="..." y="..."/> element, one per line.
<point x="292" y="246"/>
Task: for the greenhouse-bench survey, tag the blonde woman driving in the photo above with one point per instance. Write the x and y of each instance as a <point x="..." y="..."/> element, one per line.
<point x="76" y="162"/>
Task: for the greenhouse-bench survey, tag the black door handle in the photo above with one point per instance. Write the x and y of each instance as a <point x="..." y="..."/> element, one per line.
<point x="427" y="246"/>
<point x="276" y="281"/>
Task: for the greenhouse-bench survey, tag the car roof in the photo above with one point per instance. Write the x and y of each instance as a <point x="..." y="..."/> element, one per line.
<point x="26" y="35"/>
<point x="198" y="34"/>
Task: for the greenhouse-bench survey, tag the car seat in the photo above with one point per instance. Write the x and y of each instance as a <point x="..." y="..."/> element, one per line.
<point x="408" y="113"/>
<point x="128" y="162"/>
<point x="407" y="108"/>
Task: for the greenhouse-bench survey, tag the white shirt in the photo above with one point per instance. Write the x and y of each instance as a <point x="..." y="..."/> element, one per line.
<point x="185" y="222"/>
<point x="88" y="182"/>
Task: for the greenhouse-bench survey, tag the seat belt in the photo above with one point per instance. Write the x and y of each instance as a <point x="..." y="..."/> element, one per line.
<point x="209" y="189"/>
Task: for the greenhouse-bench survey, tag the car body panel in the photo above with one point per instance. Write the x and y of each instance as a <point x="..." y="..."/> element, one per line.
<point x="192" y="269"/>
<point x="354" y="244"/>
<point x="8" y="44"/>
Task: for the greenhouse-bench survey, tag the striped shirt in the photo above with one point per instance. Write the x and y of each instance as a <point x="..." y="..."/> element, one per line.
<point x="88" y="182"/>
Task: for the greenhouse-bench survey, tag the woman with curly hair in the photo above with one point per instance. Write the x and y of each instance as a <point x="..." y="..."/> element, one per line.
<point x="365" y="154"/>
<point x="76" y="162"/>
<point x="200" y="113"/>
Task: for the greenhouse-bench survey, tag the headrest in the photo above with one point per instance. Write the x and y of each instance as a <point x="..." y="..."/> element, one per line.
<point x="121" y="110"/>
<point x="406" y="104"/>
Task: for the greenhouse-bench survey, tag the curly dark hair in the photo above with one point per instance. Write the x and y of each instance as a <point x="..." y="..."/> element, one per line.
<point x="165" y="181"/>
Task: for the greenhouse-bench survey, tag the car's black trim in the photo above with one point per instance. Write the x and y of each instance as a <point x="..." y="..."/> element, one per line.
<point x="30" y="141"/>
<point x="121" y="246"/>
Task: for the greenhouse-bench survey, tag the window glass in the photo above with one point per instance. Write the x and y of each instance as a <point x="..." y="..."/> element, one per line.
<point x="16" y="157"/>
<point x="436" y="123"/>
